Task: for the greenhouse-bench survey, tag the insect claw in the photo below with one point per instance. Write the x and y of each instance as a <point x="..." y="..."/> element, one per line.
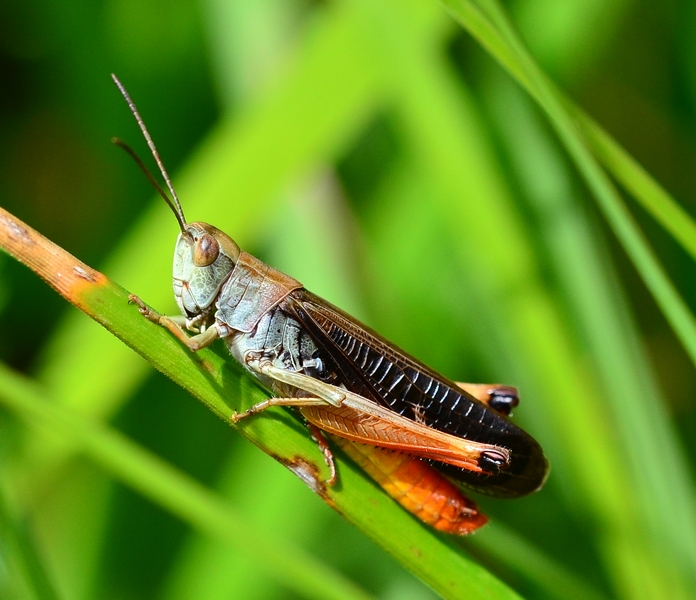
<point x="331" y="481"/>
<point x="257" y="408"/>
<point x="144" y="310"/>
<point x="133" y="299"/>
<point x="325" y="449"/>
<point x="237" y="417"/>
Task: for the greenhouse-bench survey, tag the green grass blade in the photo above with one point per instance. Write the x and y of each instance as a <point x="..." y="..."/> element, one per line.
<point x="660" y="469"/>
<point x="521" y="66"/>
<point x="511" y="54"/>
<point x="649" y="193"/>
<point x="622" y="166"/>
<point x="223" y="388"/>
<point x="172" y="490"/>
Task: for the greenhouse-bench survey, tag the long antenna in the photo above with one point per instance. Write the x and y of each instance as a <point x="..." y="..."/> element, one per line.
<point x="175" y="204"/>
<point x="151" y="178"/>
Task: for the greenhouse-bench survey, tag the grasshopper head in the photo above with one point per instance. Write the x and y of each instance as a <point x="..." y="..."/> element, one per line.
<point x="204" y="257"/>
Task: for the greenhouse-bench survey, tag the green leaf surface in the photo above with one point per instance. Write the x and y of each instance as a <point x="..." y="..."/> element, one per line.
<point x="224" y="389"/>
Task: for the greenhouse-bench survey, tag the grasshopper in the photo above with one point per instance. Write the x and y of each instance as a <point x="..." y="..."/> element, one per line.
<point x="417" y="433"/>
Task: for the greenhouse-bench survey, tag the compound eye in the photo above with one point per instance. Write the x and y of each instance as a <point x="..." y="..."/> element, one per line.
<point x="205" y="251"/>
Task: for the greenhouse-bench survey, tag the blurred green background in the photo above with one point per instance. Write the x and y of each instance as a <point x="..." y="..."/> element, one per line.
<point x="377" y="153"/>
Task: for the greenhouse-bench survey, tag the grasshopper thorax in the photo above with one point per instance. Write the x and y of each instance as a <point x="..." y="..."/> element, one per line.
<point x="204" y="257"/>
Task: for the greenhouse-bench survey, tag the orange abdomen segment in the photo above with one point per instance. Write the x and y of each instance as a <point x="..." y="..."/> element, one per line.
<point x="418" y="487"/>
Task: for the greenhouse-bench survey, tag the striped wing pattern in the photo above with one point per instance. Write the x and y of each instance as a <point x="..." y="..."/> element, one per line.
<point x="373" y="367"/>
